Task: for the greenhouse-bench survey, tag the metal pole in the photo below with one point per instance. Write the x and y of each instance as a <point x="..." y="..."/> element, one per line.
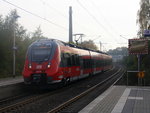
<point x="14" y="47"/>
<point x="127" y="78"/>
<point x="14" y="53"/>
<point x="70" y="24"/>
<point x="100" y="45"/>
<point x="139" y="81"/>
<point x="138" y="62"/>
<point x="80" y="37"/>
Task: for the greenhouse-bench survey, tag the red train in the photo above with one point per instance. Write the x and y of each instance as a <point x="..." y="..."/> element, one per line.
<point x="51" y="61"/>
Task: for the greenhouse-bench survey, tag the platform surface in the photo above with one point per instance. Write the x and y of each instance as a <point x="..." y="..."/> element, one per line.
<point x="121" y="99"/>
<point x="10" y="80"/>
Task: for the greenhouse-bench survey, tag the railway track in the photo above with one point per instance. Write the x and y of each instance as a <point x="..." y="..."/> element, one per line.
<point x="22" y="104"/>
<point x="3" y="102"/>
<point x="69" y="102"/>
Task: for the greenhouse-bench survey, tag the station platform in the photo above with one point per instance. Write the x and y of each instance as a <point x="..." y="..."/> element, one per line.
<point x="121" y="99"/>
<point x="10" y="81"/>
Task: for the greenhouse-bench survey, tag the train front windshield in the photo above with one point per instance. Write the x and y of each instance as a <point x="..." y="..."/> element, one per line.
<point x="40" y="54"/>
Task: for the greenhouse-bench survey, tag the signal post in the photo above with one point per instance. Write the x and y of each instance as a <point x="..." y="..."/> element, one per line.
<point x="138" y="47"/>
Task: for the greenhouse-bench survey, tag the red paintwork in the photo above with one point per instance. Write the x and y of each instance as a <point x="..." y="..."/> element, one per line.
<point x="55" y="71"/>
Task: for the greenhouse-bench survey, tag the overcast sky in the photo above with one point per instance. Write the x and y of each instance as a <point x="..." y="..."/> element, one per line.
<point x="100" y="20"/>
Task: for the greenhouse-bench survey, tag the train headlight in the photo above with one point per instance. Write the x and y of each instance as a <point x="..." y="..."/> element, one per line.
<point x="30" y="66"/>
<point x="61" y="76"/>
<point x="49" y="65"/>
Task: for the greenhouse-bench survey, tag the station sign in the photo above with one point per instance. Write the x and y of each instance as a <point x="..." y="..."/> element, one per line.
<point x="138" y="46"/>
<point x="146" y="33"/>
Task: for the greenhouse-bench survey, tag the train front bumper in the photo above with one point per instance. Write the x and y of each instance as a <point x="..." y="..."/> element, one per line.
<point x="40" y="79"/>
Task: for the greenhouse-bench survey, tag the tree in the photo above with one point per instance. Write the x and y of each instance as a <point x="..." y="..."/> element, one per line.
<point x="8" y="25"/>
<point x="119" y="51"/>
<point x="143" y="16"/>
<point x="89" y="44"/>
<point x="37" y="34"/>
<point x="143" y="19"/>
<point x="6" y="41"/>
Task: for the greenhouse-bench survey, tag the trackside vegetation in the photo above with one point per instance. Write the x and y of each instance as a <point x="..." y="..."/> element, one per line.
<point x="8" y="25"/>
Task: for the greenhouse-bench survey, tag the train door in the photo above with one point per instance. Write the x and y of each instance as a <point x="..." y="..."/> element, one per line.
<point x="81" y="66"/>
<point x="91" y="66"/>
<point x="64" y="64"/>
<point x="76" y="65"/>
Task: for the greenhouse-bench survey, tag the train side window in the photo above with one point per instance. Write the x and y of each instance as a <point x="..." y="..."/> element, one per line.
<point x="62" y="60"/>
<point x="100" y="62"/>
<point x="69" y="62"/>
<point x="77" y="60"/>
<point x="103" y="62"/>
<point x="92" y="63"/>
<point x="66" y="59"/>
<point x="73" y="60"/>
<point x="89" y="63"/>
<point x="86" y="63"/>
<point x="81" y="62"/>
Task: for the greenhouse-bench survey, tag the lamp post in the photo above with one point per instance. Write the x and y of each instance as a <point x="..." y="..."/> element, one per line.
<point x="99" y="42"/>
<point x="14" y="46"/>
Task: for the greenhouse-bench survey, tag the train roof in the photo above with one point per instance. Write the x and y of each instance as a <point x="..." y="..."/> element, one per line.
<point x="67" y="44"/>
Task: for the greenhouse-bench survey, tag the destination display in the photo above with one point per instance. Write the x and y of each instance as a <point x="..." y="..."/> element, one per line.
<point x="138" y="46"/>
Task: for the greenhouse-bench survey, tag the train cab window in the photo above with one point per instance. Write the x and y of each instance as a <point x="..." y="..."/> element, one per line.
<point x="40" y="54"/>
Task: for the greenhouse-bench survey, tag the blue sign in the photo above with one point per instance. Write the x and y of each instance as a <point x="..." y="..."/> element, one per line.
<point x="146" y="33"/>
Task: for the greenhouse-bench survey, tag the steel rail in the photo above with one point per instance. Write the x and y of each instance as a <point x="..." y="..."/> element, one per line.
<point x="67" y="103"/>
<point x="21" y="104"/>
<point x="7" y="100"/>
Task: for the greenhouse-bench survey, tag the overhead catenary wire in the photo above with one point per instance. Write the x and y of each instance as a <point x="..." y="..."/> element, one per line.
<point x="51" y="22"/>
<point x="112" y="29"/>
<point x="95" y="19"/>
<point x="43" y="18"/>
<point x="123" y="37"/>
<point x="51" y="7"/>
<point x="35" y="15"/>
<point x="61" y="14"/>
<point x="108" y="24"/>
